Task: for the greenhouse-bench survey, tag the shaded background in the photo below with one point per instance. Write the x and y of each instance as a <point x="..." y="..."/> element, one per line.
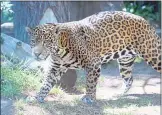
<point x="23" y="14"/>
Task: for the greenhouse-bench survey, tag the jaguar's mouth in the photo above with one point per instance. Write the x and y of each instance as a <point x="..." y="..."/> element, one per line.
<point x="40" y="57"/>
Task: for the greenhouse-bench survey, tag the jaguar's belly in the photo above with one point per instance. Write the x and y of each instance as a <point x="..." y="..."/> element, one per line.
<point x="118" y="55"/>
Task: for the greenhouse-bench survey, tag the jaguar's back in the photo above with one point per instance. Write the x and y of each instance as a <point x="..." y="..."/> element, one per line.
<point x="122" y="33"/>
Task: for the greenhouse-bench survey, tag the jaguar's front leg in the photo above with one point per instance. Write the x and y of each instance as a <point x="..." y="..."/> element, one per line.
<point x="91" y="82"/>
<point x="52" y="77"/>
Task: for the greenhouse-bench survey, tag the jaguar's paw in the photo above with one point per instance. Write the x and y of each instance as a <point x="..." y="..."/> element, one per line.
<point x="125" y="89"/>
<point x="87" y="100"/>
<point x="40" y="99"/>
<point x="31" y="100"/>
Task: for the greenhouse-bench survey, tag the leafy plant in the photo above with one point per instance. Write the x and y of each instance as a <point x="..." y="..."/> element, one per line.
<point x="145" y="10"/>
<point x="6" y="12"/>
<point x="138" y="59"/>
<point x="15" y="80"/>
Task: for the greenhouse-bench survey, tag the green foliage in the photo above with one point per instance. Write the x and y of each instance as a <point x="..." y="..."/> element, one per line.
<point x="56" y="90"/>
<point x="14" y="81"/>
<point x="6" y="12"/>
<point x="145" y="10"/>
<point x="138" y="60"/>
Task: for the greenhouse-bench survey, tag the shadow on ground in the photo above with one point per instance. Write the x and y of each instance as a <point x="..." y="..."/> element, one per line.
<point x="78" y="108"/>
<point x="138" y="100"/>
<point x="144" y="97"/>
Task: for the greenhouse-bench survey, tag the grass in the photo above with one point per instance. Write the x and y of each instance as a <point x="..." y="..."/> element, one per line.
<point x="76" y="107"/>
<point x="138" y="59"/>
<point x="20" y="105"/>
<point x="57" y="90"/>
<point x="15" y="80"/>
<point x="131" y="104"/>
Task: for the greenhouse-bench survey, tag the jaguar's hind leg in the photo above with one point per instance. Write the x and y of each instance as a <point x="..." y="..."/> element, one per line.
<point x="126" y="66"/>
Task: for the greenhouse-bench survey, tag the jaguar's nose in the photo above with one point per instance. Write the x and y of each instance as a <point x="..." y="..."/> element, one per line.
<point x="36" y="54"/>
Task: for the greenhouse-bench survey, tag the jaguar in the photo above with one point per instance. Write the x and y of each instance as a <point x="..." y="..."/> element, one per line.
<point x="88" y="43"/>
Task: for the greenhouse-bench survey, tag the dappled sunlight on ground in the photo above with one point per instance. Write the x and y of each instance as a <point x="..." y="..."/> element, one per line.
<point x="142" y="99"/>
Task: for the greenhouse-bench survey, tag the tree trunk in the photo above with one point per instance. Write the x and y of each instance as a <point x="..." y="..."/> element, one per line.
<point x="30" y="13"/>
<point x="73" y="11"/>
<point x="27" y="14"/>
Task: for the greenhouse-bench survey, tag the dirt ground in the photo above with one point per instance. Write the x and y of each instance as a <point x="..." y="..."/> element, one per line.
<point x="142" y="99"/>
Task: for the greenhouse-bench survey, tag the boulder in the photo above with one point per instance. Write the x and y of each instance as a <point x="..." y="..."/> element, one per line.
<point x="7" y="28"/>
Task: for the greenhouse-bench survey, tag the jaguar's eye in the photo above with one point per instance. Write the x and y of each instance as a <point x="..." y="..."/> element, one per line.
<point x="32" y="43"/>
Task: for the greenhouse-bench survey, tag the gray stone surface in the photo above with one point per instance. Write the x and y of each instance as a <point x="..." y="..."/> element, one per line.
<point x="7" y="28"/>
<point x="7" y="107"/>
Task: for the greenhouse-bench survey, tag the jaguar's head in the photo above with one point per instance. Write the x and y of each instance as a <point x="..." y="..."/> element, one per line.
<point x="46" y="39"/>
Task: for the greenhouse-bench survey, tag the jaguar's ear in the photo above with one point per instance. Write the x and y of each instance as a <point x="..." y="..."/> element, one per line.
<point x="63" y="39"/>
<point x="28" y="30"/>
